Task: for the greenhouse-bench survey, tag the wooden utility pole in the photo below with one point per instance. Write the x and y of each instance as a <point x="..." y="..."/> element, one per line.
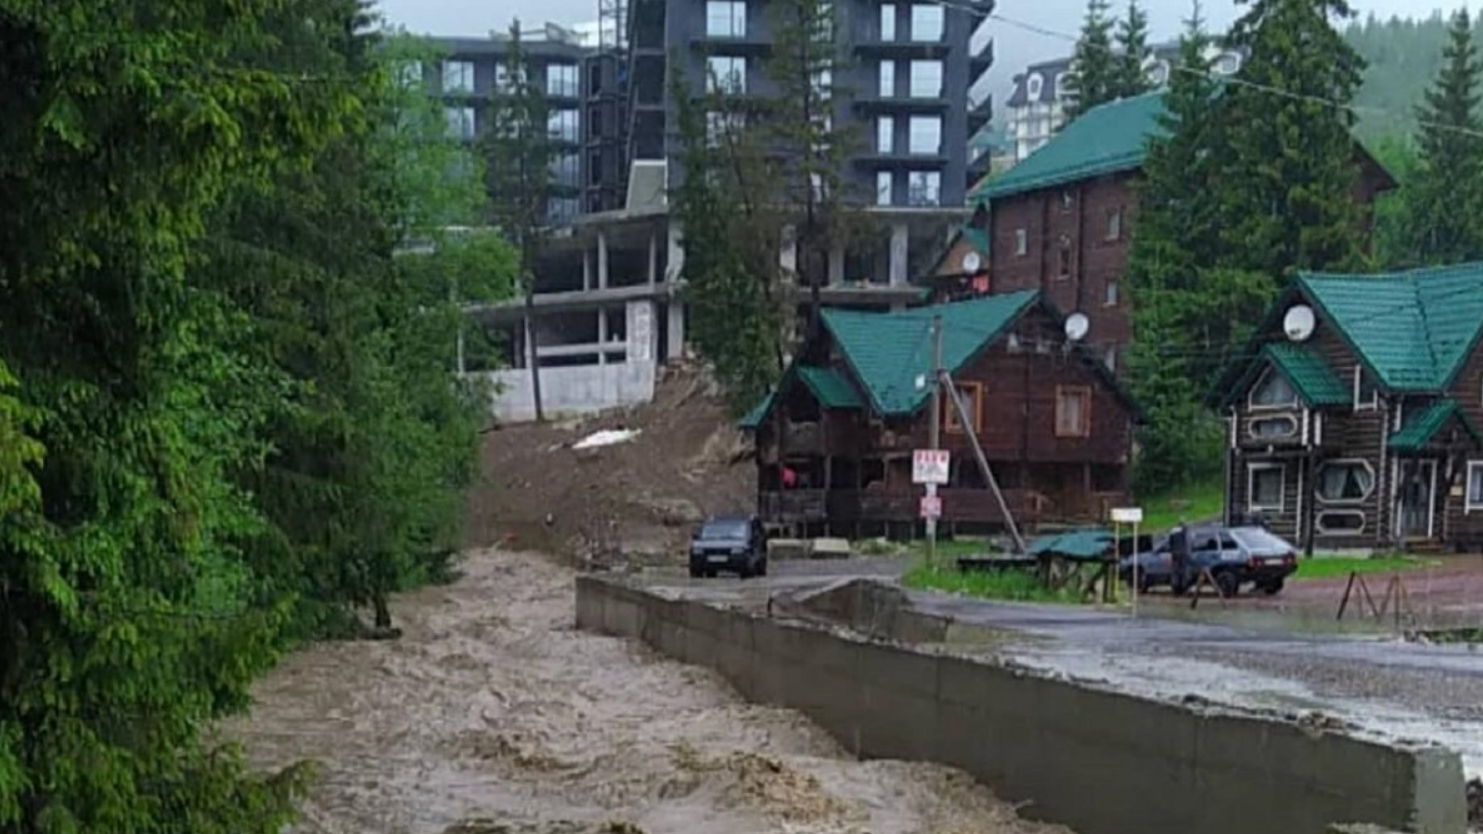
<point x="983" y="461"/>
<point x="934" y="428"/>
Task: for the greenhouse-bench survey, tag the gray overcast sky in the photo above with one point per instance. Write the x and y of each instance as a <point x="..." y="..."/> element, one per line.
<point x="1014" y="47"/>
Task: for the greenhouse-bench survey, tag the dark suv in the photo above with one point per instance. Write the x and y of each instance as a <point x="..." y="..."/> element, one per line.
<point x="1234" y="555"/>
<point x="735" y="544"/>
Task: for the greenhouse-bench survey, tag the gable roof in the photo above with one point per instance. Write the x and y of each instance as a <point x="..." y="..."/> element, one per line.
<point x="1414" y="330"/>
<point x="888" y="351"/>
<point x="831" y="388"/>
<point x="1107" y="139"/>
<point x="1420" y="429"/>
<point x="1313" y="379"/>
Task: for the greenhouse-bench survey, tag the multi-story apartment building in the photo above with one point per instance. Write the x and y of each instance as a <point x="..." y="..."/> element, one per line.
<point x="1037" y="107"/>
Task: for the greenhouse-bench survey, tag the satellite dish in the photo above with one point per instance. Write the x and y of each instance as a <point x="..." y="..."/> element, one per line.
<point x="1077" y="326"/>
<point x="971" y="262"/>
<point x="1299" y="322"/>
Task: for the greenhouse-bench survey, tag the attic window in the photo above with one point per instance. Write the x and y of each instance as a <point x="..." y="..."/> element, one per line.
<point x="1366" y="395"/>
<point x="971" y="394"/>
<point x="1033" y="85"/>
<point x="1073" y="411"/>
<point x="1273" y="391"/>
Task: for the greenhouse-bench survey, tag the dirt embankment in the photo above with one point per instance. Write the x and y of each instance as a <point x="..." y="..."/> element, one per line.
<point x="638" y="498"/>
<point x="492" y="714"/>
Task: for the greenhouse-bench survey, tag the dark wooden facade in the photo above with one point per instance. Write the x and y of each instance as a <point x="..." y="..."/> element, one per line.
<point x="853" y="466"/>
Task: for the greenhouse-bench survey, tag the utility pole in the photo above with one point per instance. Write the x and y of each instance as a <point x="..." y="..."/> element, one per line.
<point x="934" y="429"/>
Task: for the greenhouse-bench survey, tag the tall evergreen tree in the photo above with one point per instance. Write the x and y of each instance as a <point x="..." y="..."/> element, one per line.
<point x="1289" y="195"/>
<point x="1132" y="45"/>
<point x="519" y="148"/>
<point x="1095" y="68"/>
<point x="1445" y="198"/>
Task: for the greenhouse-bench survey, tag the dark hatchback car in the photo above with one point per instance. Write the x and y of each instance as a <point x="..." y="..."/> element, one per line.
<point x="735" y="544"/>
<point x="1235" y="556"/>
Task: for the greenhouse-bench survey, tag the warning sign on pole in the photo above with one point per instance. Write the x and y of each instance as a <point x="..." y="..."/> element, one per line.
<point x="929" y="466"/>
<point x="931" y="507"/>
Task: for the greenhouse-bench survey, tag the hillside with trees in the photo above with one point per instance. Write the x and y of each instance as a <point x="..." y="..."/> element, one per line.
<point x="1402" y="56"/>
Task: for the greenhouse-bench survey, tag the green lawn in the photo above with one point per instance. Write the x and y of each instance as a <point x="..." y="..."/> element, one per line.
<point x="1198" y="502"/>
<point x="1016" y="585"/>
<point x="1328" y="567"/>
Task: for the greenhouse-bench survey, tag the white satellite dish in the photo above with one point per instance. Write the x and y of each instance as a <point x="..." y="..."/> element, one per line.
<point x="971" y="262"/>
<point x="1299" y="322"/>
<point x="1077" y="326"/>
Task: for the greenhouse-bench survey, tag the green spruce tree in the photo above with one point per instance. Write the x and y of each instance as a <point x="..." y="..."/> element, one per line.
<point x="1289" y="192"/>
<point x="1095" y="71"/>
<point x="1445" y="198"/>
<point x="1132" y="46"/>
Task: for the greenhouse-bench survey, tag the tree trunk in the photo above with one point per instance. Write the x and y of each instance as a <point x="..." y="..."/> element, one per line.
<point x="532" y="348"/>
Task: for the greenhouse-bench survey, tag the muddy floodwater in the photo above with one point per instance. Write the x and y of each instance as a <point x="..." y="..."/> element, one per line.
<point x="493" y="714"/>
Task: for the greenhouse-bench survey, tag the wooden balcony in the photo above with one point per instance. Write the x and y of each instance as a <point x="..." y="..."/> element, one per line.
<point x="841" y="506"/>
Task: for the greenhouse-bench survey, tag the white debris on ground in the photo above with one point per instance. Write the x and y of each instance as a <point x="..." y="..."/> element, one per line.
<point x="607" y="437"/>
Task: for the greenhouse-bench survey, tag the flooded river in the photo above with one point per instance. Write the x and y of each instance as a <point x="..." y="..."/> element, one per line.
<point x="492" y="714"/>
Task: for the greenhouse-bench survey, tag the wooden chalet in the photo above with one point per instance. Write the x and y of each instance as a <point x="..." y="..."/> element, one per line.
<point x="1354" y="421"/>
<point x="834" y="441"/>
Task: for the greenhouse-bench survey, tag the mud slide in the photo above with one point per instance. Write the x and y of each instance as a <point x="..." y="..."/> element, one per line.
<point x="492" y="714"/>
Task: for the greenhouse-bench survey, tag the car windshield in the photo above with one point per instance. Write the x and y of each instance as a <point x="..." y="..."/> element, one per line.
<point x="1256" y="538"/>
<point x="728" y="529"/>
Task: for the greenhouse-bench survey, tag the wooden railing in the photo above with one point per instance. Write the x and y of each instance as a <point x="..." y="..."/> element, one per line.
<point x="1029" y="507"/>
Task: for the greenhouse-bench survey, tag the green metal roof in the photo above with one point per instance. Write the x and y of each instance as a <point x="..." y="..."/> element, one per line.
<point x="1109" y="138"/>
<point x="889" y="351"/>
<point x="1315" y="382"/>
<point x="830" y="387"/>
<point x="1413" y="329"/>
<point x="978" y="237"/>
<point x="1072" y="544"/>
<point x="1423" y="426"/>
<point x="752" y="419"/>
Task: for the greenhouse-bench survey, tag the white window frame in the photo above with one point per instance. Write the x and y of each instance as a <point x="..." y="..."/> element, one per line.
<point x="1374" y="403"/>
<point x="1318" y="481"/>
<point x="884" y="196"/>
<point x="1469" y="504"/>
<point x="1324" y="531"/>
<point x="717" y="11"/>
<point x="1033" y="85"/>
<point x="887" y="75"/>
<point x="885" y="135"/>
<point x="1297" y="399"/>
<point x="913" y="122"/>
<point x="934" y="32"/>
<point x="888" y="21"/>
<point x="916" y="68"/>
<point x="1111" y="293"/>
<point x="1114" y="225"/>
<point x="1285" y="418"/>
<point x="1251" y="470"/>
<point x="1021" y="242"/>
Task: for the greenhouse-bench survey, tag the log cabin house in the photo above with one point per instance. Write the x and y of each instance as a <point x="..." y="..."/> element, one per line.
<point x="834" y="440"/>
<point x="1354" y="421"/>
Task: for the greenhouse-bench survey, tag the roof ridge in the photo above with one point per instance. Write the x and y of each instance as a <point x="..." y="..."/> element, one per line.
<point x="1426" y="328"/>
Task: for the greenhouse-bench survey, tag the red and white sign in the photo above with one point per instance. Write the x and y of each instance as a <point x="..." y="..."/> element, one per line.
<point x="931" y="506"/>
<point x="929" y="466"/>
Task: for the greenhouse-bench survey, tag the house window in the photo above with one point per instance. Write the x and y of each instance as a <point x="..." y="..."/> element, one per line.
<point x="1115" y="224"/>
<point x="458" y="76"/>
<point x="1033" y="85"/>
<point x="460" y="122"/>
<point x="1110" y="299"/>
<point x="1475" y="486"/>
<point x="888" y="79"/>
<point x="1366" y="395"/>
<point x="1073" y="411"/>
<point x="409" y="75"/>
<point x="726" y="74"/>
<point x="1228" y="63"/>
<point x="926" y="79"/>
<point x="1063" y="259"/>
<point x="885" y="135"/>
<point x="926" y="22"/>
<point x="725" y="19"/>
<point x="561" y="80"/>
<point x="1340" y="523"/>
<point x="925" y="135"/>
<point x="971" y="395"/>
<point x="564" y="170"/>
<point x="1345" y="481"/>
<point x="1265" y="484"/>
<point x="1021" y="241"/>
<point x="562" y="125"/>
<point x="883" y="188"/>
<point x="1273" y="428"/>
<point x="1273" y="391"/>
<point x="924" y="188"/>
<point x="888" y="22"/>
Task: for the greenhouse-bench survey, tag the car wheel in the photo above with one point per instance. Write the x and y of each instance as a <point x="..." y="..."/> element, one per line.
<point x="1273" y="587"/>
<point x="1228" y="583"/>
<point x="695" y="572"/>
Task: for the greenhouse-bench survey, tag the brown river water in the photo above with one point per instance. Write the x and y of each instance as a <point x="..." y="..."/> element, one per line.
<point x="493" y="714"/>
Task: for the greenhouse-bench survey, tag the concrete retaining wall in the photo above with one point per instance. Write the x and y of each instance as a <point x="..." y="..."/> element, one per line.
<point x="573" y="389"/>
<point x="1098" y="761"/>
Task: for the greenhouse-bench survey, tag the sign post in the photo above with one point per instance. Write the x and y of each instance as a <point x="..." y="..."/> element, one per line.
<point x="1133" y="516"/>
<point x="929" y="467"/>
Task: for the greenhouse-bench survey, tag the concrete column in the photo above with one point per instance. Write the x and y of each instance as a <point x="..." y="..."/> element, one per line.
<point x="602" y="261"/>
<point x="586" y="268"/>
<point x="653" y="259"/>
<point x="899" y="251"/>
<point x="602" y="337"/>
<point x="836" y="264"/>
<point x="675" y="331"/>
<point x="675" y="251"/>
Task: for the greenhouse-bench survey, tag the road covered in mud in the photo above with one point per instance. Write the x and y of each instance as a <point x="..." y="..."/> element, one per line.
<point x="492" y="714"/>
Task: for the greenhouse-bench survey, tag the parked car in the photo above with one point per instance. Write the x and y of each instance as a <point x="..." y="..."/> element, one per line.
<point x="735" y="544"/>
<point x="1234" y="556"/>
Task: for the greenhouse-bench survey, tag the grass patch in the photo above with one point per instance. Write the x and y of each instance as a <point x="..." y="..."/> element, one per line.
<point x="1016" y="585"/>
<point x="1194" y="503"/>
<point x="1327" y="567"/>
<point x="950" y="549"/>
